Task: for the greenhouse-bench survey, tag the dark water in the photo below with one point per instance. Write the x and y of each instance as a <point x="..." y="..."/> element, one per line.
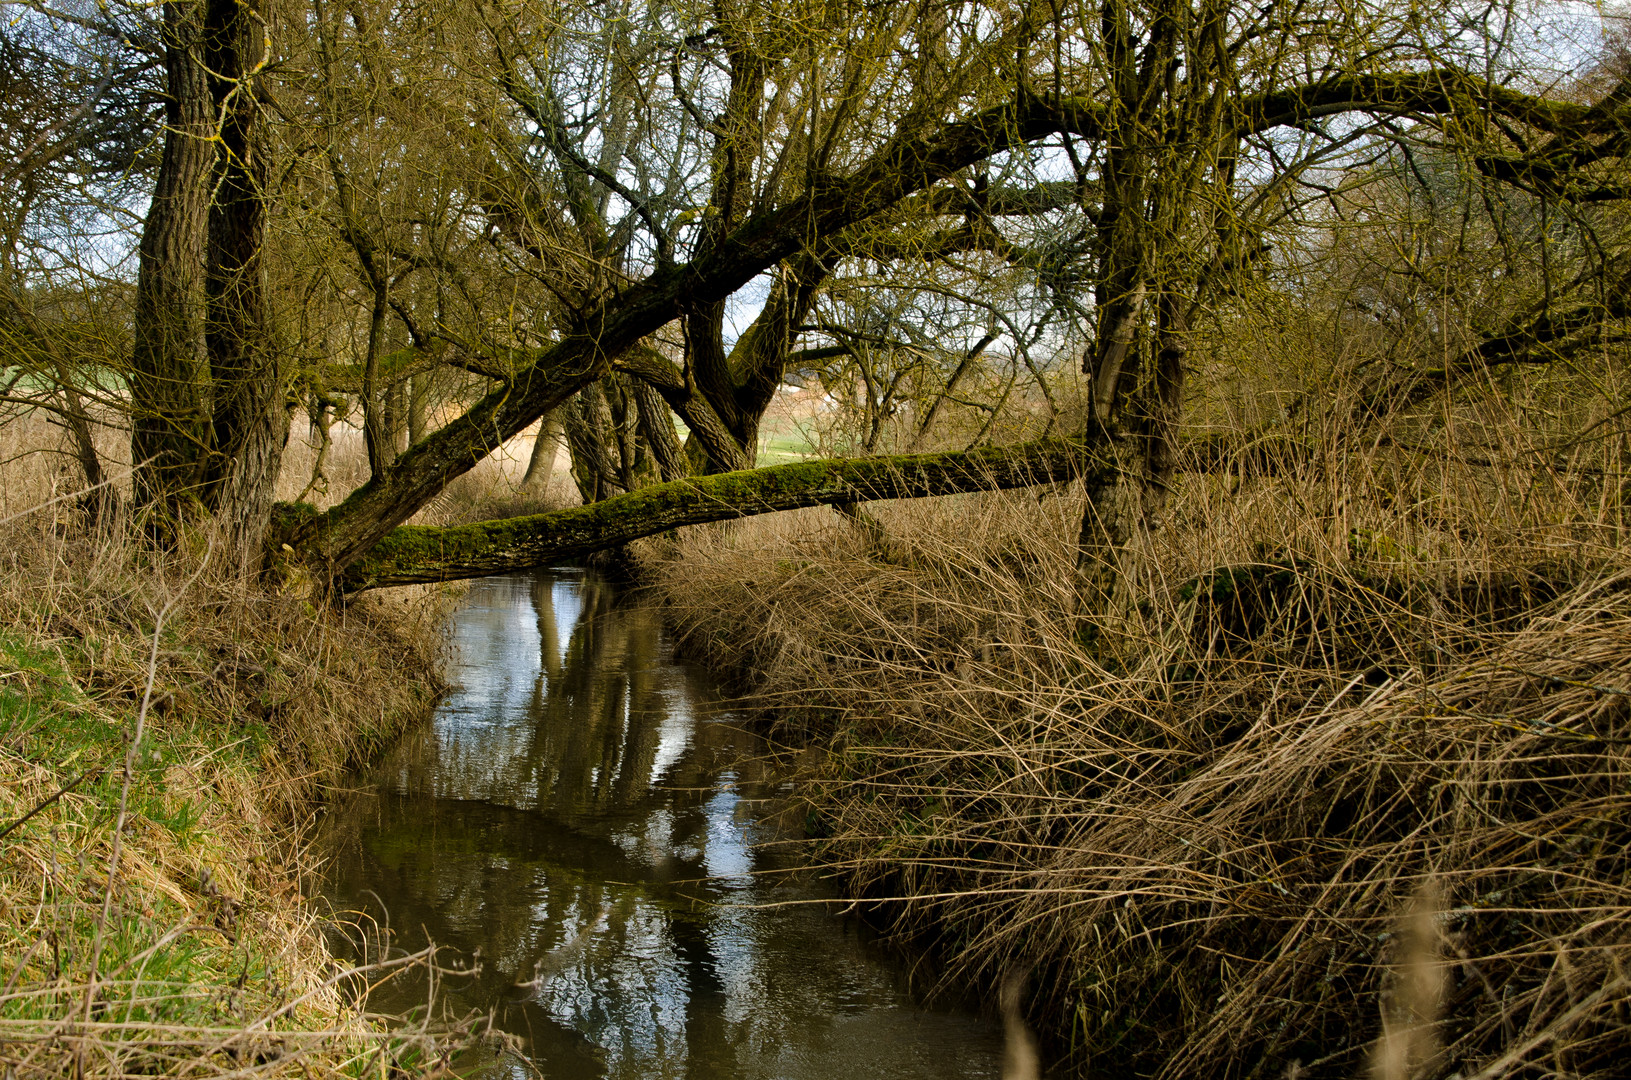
<point x="579" y="814"/>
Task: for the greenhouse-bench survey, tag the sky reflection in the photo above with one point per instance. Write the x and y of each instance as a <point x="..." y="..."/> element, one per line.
<point x="576" y="814"/>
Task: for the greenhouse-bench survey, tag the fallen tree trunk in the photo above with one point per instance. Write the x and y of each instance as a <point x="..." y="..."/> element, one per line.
<point x="412" y="554"/>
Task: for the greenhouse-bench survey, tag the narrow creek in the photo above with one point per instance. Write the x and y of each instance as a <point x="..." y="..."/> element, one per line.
<point x="582" y="812"/>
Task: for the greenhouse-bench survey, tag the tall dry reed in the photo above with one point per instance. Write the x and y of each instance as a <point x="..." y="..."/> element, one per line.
<point x="1200" y="818"/>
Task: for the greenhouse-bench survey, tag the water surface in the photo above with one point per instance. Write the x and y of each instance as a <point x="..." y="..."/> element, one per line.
<point x="581" y="813"/>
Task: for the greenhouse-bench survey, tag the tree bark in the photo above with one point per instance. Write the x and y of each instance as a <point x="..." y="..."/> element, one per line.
<point x="170" y="426"/>
<point x="712" y="438"/>
<point x="250" y="424"/>
<point x="100" y="497"/>
<point x="418" y="407"/>
<point x="545" y="448"/>
<point x="414" y="553"/>
<point x="1163" y="405"/>
<point x="585" y="423"/>
<point x="624" y="432"/>
<point x="657" y="428"/>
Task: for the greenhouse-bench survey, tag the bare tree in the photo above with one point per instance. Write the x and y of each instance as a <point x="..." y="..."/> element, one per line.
<point x="591" y="211"/>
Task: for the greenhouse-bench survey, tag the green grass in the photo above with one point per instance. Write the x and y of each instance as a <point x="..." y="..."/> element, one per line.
<point x="153" y="948"/>
<point x="176" y="941"/>
<point x="782" y="441"/>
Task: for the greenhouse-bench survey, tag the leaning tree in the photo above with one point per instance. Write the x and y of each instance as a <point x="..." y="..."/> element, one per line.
<point x="562" y="204"/>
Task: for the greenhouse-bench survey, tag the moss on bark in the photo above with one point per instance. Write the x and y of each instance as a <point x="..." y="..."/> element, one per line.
<point x="414" y="553"/>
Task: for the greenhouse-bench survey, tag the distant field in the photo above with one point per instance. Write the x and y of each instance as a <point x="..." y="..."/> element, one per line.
<point x="781" y="440"/>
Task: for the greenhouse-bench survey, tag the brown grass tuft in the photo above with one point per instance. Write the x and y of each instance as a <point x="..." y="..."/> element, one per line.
<point x="1200" y="818"/>
<point x="164" y="730"/>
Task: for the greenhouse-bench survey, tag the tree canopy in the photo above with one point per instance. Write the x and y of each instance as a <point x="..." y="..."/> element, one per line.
<point x="462" y="218"/>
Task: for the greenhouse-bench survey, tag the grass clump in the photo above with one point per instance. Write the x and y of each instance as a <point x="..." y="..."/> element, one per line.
<point x="164" y="729"/>
<point x="1201" y="818"/>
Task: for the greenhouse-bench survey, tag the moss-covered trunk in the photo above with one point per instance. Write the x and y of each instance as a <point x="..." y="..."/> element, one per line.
<point x="413" y="553"/>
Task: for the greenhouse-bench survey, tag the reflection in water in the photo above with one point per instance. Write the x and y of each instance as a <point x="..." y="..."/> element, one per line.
<point x="568" y="814"/>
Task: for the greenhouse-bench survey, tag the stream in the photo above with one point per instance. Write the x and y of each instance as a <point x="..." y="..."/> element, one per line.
<point x="584" y="812"/>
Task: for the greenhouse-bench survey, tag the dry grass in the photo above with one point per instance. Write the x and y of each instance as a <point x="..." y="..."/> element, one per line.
<point x="1200" y="822"/>
<point x="492" y="489"/>
<point x="167" y="726"/>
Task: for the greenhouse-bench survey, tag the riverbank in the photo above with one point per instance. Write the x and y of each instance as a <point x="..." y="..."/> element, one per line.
<point x="1334" y="800"/>
<point x="164" y="731"/>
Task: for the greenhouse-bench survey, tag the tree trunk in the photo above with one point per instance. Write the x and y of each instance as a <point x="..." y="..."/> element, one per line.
<point x="418" y="407"/>
<point x="1162" y="406"/>
<point x="624" y="432"/>
<point x="414" y="553"/>
<point x="100" y="499"/>
<point x="1110" y="513"/>
<point x="657" y="428"/>
<point x="1112" y="363"/>
<point x="250" y="422"/>
<point x="711" y="443"/>
<point x="585" y="422"/>
<point x="395" y="418"/>
<point x="170" y="427"/>
<point x="375" y="409"/>
<point x="546" y="447"/>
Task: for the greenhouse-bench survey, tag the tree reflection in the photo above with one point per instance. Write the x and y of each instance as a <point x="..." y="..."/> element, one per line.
<point x="561" y="816"/>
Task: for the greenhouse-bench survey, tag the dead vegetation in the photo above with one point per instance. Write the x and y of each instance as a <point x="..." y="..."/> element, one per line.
<point x="164" y="728"/>
<point x="1200" y="817"/>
